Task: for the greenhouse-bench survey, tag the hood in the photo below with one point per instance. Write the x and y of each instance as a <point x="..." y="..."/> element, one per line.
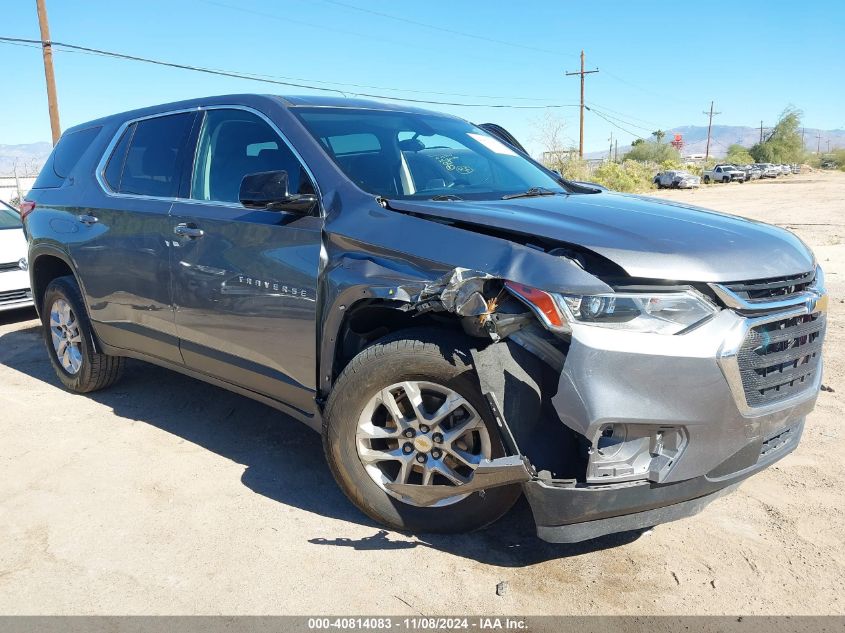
<point x="647" y="237"/>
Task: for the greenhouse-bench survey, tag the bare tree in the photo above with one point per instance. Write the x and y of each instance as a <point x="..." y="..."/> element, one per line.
<point x="556" y="145"/>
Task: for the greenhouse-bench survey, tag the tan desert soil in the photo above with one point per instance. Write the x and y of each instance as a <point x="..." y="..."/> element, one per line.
<point x="165" y="495"/>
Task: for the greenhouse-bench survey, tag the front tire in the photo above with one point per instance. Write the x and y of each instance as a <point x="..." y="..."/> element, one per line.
<point x="69" y="340"/>
<point x="384" y="411"/>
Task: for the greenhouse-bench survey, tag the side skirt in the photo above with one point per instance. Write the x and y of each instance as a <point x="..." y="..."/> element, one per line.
<point x="313" y="419"/>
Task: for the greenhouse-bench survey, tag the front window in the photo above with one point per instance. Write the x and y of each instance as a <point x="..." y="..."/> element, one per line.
<point x="420" y="156"/>
<point x="9" y="218"/>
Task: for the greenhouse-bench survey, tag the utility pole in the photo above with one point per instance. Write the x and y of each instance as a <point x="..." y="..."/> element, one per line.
<point x="610" y="149"/>
<point x="709" y="127"/>
<point x="582" y="73"/>
<point x="616" y="150"/>
<point x="47" y="50"/>
<point x="761" y="131"/>
<point x="818" y="144"/>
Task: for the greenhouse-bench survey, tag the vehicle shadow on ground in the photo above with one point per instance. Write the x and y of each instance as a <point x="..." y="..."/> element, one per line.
<point x="18" y="315"/>
<point x="283" y="458"/>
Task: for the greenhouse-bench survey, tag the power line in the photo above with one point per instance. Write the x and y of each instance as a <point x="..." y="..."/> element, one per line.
<point x="616" y="125"/>
<point x="265" y="79"/>
<point x="610" y="116"/>
<point x="605" y="109"/>
<point x="324" y="26"/>
<point x="441" y="28"/>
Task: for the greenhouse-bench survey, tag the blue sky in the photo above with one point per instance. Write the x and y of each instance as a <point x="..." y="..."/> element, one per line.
<point x="660" y="63"/>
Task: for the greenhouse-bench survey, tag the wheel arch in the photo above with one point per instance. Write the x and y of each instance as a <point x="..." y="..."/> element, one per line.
<point x="45" y="265"/>
<point x="363" y="323"/>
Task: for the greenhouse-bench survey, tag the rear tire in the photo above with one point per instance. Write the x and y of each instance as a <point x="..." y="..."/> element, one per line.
<point x="430" y="357"/>
<point x="707" y="180"/>
<point x="69" y="339"/>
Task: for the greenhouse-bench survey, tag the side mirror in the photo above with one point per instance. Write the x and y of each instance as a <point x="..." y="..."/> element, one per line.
<point x="269" y="190"/>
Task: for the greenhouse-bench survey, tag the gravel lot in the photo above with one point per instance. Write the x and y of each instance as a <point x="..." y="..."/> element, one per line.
<point x="166" y="495"/>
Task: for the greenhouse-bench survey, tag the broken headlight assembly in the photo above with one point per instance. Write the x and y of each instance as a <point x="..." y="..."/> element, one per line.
<point x="646" y="312"/>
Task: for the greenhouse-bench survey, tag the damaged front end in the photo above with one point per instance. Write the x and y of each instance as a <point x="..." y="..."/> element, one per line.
<point x="616" y="404"/>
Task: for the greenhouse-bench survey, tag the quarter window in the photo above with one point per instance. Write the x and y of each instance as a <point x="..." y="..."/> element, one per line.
<point x="146" y="159"/>
<point x="234" y="143"/>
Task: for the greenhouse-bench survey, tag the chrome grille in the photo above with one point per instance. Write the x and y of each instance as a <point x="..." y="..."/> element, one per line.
<point x="781" y="358"/>
<point x="774" y="288"/>
<point x="14" y="296"/>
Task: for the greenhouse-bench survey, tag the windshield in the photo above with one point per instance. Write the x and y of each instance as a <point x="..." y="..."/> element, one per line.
<point x="9" y="218"/>
<point x="411" y="156"/>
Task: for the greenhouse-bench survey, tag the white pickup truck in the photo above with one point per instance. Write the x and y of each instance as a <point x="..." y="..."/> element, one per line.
<point x="723" y="173"/>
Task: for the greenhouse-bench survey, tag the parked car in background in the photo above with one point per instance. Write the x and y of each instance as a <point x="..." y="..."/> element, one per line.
<point x="768" y="170"/>
<point x="14" y="278"/>
<point x="676" y="179"/>
<point x="786" y="170"/>
<point x="752" y="172"/>
<point x="723" y="173"/>
<point x="796" y="168"/>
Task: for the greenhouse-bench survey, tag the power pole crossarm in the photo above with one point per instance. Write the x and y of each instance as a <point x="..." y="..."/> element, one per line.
<point x="582" y="72"/>
<point x="47" y="50"/>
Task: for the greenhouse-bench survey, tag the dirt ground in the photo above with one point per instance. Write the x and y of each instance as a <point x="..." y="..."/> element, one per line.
<point x="165" y="495"/>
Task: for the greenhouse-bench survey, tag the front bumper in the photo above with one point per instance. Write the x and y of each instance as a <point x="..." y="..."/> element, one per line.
<point x="572" y="513"/>
<point x="686" y="435"/>
<point x="14" y="290"/>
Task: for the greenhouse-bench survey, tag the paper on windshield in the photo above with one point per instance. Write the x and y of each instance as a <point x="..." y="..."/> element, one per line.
<point x="492" y="144"/>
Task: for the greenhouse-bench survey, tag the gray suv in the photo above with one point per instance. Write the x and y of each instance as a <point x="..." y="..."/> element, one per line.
<point x="462" y="325"/>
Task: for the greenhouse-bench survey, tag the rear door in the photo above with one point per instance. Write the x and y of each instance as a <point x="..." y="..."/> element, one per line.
<point x="245" y="280"/>
<point x="122" y="244"/>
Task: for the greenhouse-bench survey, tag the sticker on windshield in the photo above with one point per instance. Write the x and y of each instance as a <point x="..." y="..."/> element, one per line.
<point x="493" y="144"/>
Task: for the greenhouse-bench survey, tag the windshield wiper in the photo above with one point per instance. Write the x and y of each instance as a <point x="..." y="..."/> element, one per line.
<point x="446" y="197"/>
<point x="531" y="193"/>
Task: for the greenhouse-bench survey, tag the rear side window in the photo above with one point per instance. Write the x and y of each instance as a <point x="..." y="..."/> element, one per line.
<point x="65" y="155"/>
<point x="146" y="160"/>
<point x="114" y="168"/>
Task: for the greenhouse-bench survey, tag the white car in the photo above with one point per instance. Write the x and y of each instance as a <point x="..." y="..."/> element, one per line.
<point x="769" y="170"/>
<point x="14" y="278"/>
<point x="676" y="180"/>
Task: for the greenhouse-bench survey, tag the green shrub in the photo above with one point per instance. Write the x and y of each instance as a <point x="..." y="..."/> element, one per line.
<point x="628" y="176"/>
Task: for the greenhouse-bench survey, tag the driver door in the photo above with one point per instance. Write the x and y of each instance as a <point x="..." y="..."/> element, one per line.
<point x="245" y="280"/>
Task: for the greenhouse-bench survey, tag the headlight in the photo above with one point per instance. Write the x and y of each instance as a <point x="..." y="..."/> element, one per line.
<point x="665" y="313"/>
<point x="647" y="312"/>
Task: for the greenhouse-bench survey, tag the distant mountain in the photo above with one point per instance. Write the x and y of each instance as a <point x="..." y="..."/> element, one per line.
<point x="722" y="136"/>
<point x="29" y="158"/>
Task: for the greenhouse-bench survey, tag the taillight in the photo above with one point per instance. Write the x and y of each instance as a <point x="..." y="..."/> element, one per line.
<point x="542" y="303"/>
<point x="27" y="207"/>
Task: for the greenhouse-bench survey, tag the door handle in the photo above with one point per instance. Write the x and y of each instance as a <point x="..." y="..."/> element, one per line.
<point x="188" y="230"/>
<point x="87" y="220"/>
